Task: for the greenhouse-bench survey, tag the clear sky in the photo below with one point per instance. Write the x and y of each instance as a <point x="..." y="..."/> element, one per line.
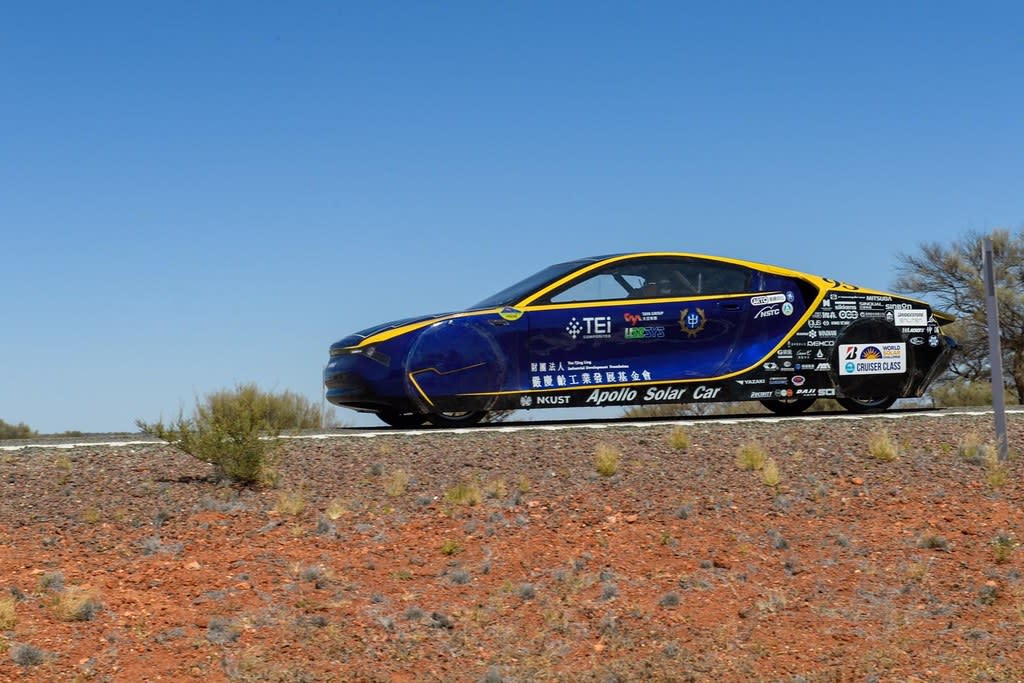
<point x="198" y="194"/>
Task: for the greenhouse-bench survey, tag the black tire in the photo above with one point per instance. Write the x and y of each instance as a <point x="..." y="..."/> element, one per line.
<point x="866" y="405"/>
<point x="456" y="419"/>
<point x="401" y="420"/>
<point x="793" y="406"/>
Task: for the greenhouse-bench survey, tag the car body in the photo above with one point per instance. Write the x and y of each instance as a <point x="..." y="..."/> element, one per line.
<point x="645" y="328"/>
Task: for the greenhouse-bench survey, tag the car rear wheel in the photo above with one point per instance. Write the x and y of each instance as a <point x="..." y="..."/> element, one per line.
<point x="466" y="419"/>
<point x="401" y="420"/>
<point x="866" y="405"/>
<point x="791" y="406"/>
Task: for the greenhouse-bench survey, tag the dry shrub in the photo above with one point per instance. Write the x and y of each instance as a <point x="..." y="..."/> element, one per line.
<point x="770" y="474"/>
<point x="291" y="503"/>
<point x="679" y="439"/>
<point x="76" y="604"/>
<point x="8" y="615"/>
<point x="464" y="493"/>
<point x="607" y="460"/>
<point x="881" y="446"/>
<point x="751" y="456"/>
<point x="396" y="483"/>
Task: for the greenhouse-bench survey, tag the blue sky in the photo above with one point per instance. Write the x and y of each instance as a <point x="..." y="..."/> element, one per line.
<point x="198" y="194"/>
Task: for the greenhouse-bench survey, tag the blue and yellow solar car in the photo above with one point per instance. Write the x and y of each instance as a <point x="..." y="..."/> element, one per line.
<point x="645" y="328"/>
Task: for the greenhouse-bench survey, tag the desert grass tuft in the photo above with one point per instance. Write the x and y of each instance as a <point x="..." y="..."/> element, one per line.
<point x="76" y="604"/>
<point x="92" y="515"/>
<point x="291" y="503"/>
<point x="607" y="460"/>
<point x="496" y="489"/>
<point x="770" y="474"/>
<point x="974" y="450"/>
<point x="8" y="615"/>
<point x="751" y="456"/>
<point x="881" y="446"/>
<point x="1003" y="546"/>
<point x="396" y="483"/>
<point x="679" y="439"/>
<point x="451" y="547"/>
<point x="464" y="493"/>
<point x="996" y="474"/>
<point x="335" y="509"/>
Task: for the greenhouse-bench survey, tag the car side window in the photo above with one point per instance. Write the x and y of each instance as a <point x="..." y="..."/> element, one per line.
<point x="655" y="278"/>
<point x="599" y="287"/>
<point x="715" y="277"/>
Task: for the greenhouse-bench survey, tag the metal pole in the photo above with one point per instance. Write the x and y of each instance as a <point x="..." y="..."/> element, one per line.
<point x="995" y="352"/>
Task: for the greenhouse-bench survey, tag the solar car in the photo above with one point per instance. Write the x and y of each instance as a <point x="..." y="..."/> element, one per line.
<point x="645" y="329"/>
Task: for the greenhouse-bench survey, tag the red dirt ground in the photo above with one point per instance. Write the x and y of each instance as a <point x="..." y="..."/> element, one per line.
<point x="681" y="566"/>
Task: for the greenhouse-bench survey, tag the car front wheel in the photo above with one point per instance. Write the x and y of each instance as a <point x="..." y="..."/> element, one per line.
<point x="466" y="419"/>
<point x="401" y="420"/>
<point x="793" y="406"/>
<point x="866" y="405"/>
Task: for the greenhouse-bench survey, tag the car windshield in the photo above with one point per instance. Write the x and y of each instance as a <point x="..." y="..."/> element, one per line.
<point x="522" y="289"/>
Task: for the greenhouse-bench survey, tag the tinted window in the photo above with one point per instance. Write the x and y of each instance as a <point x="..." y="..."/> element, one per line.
<point x="519" y="291"/>
<point x="658" y="277"/>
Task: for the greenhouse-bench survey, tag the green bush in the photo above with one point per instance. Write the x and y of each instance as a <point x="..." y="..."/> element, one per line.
<point x="18" y="431"/>
<point x="236" y="430"/>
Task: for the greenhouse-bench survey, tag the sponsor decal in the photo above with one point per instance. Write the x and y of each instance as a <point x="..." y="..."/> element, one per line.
<point x="767" y="312"/>
<point x="778" y="380"/>
<point x="655" y="394"/>
<point x="703" y="393"/>
<point x="591" y="328"/>
<point x="761" y="394"/>
<point x="933" y="341"/>
<point x="827" y="392"/>
<point x="787" y="308"/>
<point x="848" y="314"/>
<point x="806" y="392"/>
<point x="600" y="397"/>
<point x="790" y="298"/>
<point x="751" y="381"/>
<point x="645" y="332"/>
<point x="915" y="317"/>
<point x="798" y="380"/>
<point x="548" y="400"/>
<point x="873" y="359"/>
<point x="692" y="323"/>
<point x="767" y="299"/>
<point x="645" y="316"/>
<point x="770" y="366"/>
<point x="821" y="342"/>
<point x="785" y="353"/>
<point x="511" y="314"/>
<point x="823" y="367"/>
<point x="784" y="393"/>
<point x="525" y="401"/>
<point x="916" y="341"/>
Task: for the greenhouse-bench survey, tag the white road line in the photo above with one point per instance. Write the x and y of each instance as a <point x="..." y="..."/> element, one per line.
<point x="722" y="421"/>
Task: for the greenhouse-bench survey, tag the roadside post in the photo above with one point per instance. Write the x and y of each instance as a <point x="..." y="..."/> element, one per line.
<point x="995" y="352"/>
